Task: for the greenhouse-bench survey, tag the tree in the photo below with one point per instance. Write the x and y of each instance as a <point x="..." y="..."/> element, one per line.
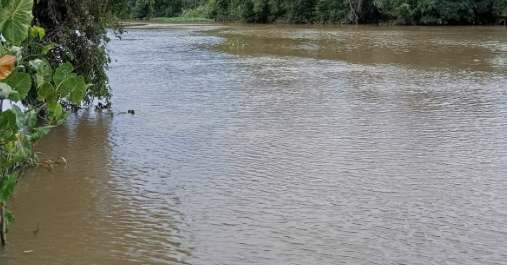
<point x="144" y="9"/>
<point x="362" y="11"/>
<point x="79" y="29"/>
<point x="300" y="11"/>
<point x="261" y="10"/>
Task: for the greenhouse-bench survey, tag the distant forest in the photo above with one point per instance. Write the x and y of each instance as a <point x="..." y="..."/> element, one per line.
<point x="417" y="12"/>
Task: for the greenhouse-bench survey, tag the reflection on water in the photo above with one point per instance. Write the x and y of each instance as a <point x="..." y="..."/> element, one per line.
<point x="469" y="48"/>
<point x="80" y="213"/>
<point x="279" y="159"/>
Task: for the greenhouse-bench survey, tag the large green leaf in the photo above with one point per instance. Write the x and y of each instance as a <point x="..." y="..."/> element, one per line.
<point x="78" y="88"/>
<point x="47" y="92"/>
<point x="20" y="82"/>
<point x="21" y="120"/>
<point x="62" y="74"/>
<point x="15" y="19"/>
<point x="56" y="113"/>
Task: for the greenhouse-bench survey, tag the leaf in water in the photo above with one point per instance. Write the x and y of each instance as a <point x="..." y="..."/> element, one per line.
<point x="20" y="82"/>
<point x="15" y="19"/>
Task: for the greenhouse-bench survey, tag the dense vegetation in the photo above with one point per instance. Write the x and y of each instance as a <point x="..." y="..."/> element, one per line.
<point x="434" y="12"/>
<point x="145" y="9"/>
<point x="78" y="27"/>
<point x="52" y="60"/>
<point x="361" y="11"/>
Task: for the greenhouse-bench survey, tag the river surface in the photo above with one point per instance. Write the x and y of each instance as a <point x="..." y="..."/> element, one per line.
<point x="277" y="145"/>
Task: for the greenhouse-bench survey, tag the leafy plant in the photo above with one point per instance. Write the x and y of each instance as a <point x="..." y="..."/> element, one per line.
<point x="79" y="31"/>
<point x="15" y="19"/>
<point x="37" y="88"/>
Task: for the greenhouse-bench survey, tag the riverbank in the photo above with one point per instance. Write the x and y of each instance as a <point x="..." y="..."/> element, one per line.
<point x="168" y="22"/>
<point x="133" y="24"/>
<point x="182" y="20"/>
<point x="155" y="23"/>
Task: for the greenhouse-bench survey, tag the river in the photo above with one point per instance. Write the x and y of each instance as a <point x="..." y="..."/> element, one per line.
<point x="280" y="145"/>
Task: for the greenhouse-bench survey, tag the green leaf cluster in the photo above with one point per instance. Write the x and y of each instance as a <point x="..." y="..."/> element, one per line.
<point x="15" y="19"/>
<point x="36" y="88"/>
<point x="79" y="28"/>
<point x="55" y="86"/>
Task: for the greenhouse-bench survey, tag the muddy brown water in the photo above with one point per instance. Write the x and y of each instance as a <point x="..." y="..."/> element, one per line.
<point x="281" y="145"/>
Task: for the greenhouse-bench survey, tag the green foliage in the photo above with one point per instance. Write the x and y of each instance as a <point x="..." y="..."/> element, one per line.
<point x="15" y="19"/>
<point x="7" y="185"/>
<point x="200" y="11"/>
<point x="301" y="11"/>
<point x="77" y="33"/>
<point x="9" y="127"/>
<point x="6" y="91"/>
<point x="182" y="20"/>
<point x="60" y="85"/>
<point x="439" y="12"/>
<point x="146" y="9"/>
<point x="38" y="83"/>
<point x="21" y="83"/>
<point x="500" y="8"/>
<point x="330" y="11"/>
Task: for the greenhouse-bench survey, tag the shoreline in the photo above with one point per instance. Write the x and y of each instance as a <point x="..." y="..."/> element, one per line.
<point x="162" y="25"/>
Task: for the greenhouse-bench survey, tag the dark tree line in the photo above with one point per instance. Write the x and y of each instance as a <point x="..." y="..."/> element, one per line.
<point x="141" y="9"/>
<point x="436" y="12"/>
<point x="360" y="11"/>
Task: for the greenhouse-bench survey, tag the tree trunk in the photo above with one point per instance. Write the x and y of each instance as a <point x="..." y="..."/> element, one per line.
<point x="359" y="6"/>
<point x="356" y="7"/>
<point x="353" y="13"/>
